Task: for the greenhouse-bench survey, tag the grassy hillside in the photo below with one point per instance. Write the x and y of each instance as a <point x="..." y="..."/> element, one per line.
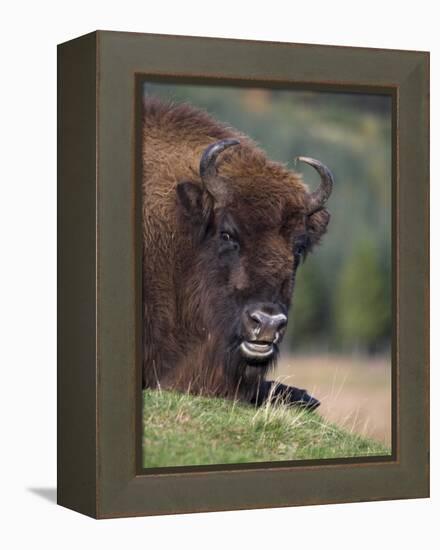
<point x="182" y="430"/>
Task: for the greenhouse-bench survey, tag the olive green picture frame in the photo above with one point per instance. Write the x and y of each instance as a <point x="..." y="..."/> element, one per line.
<point x="99" y="272"/>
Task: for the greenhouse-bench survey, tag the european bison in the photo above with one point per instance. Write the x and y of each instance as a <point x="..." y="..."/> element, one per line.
<point x="224" y="230"/>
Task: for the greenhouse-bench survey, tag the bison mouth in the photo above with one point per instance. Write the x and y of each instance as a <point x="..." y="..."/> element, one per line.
<point x="257" y="351"/>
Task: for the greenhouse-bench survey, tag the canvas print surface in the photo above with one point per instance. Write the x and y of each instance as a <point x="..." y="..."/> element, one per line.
<point x="266" y="274"/>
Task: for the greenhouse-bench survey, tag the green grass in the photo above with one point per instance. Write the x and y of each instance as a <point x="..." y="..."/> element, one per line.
<point x="183" y="430"/>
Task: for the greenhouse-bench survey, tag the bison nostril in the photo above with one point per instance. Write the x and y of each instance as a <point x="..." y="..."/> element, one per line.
<point x="255" y="323"/>
<point x="257" y="316"/>
<point x="282" y="323"/>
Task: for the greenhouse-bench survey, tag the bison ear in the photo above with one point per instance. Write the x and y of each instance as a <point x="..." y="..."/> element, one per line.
<point x="317" y="225"/>
<point x="195" y="202"/>
<point x="190" y="197"/>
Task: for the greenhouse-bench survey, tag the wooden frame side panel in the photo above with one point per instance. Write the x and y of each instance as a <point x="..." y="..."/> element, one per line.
<point x="77" y="275"/>
<point x="412" y="212"/>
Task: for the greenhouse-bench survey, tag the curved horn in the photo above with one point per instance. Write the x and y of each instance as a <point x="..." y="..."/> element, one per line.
<point x="319" y="197"/>
<point x="207" y="163"/>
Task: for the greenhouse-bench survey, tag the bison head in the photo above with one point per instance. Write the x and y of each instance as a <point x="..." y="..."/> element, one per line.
<point x="249" y="221"/>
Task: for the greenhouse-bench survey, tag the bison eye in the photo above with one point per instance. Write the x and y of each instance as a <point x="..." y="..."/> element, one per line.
<point x="228" y="243"/>
<point x="225" y="236"/>
<point x="301" y="247"/>
<point x="299" y="250"/>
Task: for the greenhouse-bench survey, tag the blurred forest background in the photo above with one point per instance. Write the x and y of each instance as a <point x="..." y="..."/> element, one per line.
<point x="339" y="333"/>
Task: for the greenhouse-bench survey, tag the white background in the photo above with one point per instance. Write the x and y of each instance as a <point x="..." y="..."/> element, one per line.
<point x="29" y="34"/>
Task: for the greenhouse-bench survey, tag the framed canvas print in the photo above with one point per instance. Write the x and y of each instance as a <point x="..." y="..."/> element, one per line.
<point x="243" y="274"/>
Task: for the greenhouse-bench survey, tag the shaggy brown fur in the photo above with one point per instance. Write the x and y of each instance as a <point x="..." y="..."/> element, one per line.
<point x="194" y="292"/>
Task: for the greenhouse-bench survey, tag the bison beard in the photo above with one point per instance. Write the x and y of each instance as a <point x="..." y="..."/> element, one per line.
<point x="224" y="229"/>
